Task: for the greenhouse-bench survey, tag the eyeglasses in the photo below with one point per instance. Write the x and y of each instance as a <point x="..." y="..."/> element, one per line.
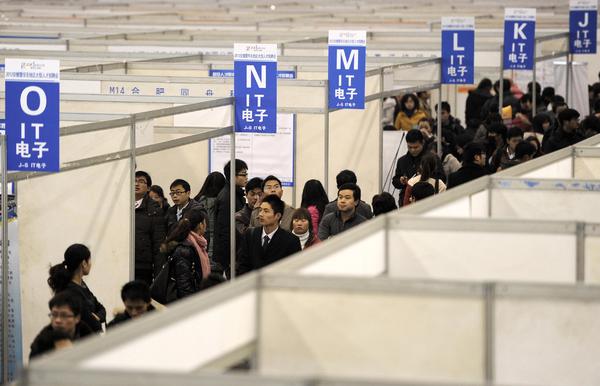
<point x="242" y="174"/>
<point x="60" y="315"/>
<point x="141" y="181"/>
<point x="176" y="193"/>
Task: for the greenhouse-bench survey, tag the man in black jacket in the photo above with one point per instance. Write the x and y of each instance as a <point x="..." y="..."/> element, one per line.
<point x="268" y="243"/>
<point x="407" y="165"/>
<point x="149" y="229"/>
<point x="65" y="325"/>
<point x="137" y="301"/>
<point x="567" y="132"/>
<point x="473" y="165"/>
<point x="221" y="251"/>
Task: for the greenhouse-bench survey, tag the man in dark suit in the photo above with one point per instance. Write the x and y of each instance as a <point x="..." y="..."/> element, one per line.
<point x="473" y="165"/>
<point x="268" y="243"/>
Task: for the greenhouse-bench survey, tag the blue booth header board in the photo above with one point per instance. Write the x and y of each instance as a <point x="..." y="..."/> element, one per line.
<point x="255" y="87"/>
<point x="458" y="50"/>
<point x="32" y="114"/>
<point x="222" y="73"/>
<point x="519" y="38"/>
<point x="347" y="57"/>
<point x="583" y="25"/>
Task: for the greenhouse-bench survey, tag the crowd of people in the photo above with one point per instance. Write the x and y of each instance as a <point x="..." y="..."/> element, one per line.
<point x="185" y="248"/>
<point x="494" y="138"/>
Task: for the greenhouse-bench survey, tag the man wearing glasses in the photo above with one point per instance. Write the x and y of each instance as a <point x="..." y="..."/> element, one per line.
<point x="149" y="229"/>
<point x="65" y="325"/>
<point x="180" y="195"/>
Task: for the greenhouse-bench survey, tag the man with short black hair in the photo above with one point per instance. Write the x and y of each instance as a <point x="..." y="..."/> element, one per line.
<point x="65" y="322"/>
<point x="150" y="229"/>
<point x="473" y="165"/>
<point x="272" y="185"/>
<point x="221" y="250"/>
<point x="505" y="154"/>
<point x="267" y="243"/>
<point x="346" y="216"/>
<point x="136" y="298"/>
<point x="180" y="191"/>
<point x="254" y="193"/>
<point x="348" y="177"/>
<point x="450" y="124"/>
<point x="406" y="166"/>
<point x="567" y="133"/>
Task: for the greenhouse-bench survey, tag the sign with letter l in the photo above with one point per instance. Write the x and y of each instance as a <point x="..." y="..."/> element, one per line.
<point x="458" y="50"/>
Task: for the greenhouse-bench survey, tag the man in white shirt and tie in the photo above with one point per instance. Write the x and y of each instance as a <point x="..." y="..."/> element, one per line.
<point x="268" y="243"/>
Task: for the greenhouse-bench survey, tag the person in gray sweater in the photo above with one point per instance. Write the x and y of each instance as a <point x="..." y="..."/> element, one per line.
<point x="346" y="215"/>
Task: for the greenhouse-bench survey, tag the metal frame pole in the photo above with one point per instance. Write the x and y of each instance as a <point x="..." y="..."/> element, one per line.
<point x="439" y="117"/>
<point x="132" y="165"/>
<point x="294" y="168"/>
<point x="232" y="189"/>
<point x="534" y="84"/>
<point x="568" y="77"/>
<point x="326" y="141"/>
<point x="501" y="81"/>
<point x="381" y="90"/>
<point x="4" y="208"/>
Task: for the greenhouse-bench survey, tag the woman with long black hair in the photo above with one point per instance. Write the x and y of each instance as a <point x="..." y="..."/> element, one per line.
<point x="207" y="198"/>
<point x="314" y="199"/>
<point x="186" y="246"/>
<point x="68" y="276"/>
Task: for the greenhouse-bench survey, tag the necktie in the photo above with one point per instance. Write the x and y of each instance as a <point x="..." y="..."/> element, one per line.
<point x="265" y="241"/>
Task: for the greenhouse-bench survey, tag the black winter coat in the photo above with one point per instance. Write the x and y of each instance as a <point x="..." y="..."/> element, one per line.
<point x="124" y="316"/>
<point x="468" y="172"/>
<point x="475" y="102"/>
<point x="407" y="165"/>
<point x="560" y="139"/>
<point x="89" y="305"/>
<point x="44" y="341"/>
<point x="185" y="268"/>
<point x="221" y="253"/>
<point x="150" y="232"/>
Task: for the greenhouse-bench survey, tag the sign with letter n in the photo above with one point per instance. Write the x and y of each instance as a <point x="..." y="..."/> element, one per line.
<point x="519" y="38"/>
<point x="255" y="87"/>
<point x="32" y="115"/>
<point x="583" y="24"/>
<point x="458" y="50"/>
<point x="347" y="64"/>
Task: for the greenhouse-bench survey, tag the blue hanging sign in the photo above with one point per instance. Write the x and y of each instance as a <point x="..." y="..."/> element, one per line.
<point x="217" y="73"/>
<point x="347" y="65"/>
<point x="255" y="87"/>
<point x="583" y="23"/>
<point x="519" y="38"/>
<point x="32" y="114"/>
<point x="458" y="50"/>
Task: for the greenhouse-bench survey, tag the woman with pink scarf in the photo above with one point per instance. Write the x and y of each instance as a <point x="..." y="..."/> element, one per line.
<point x="186" y="246"/>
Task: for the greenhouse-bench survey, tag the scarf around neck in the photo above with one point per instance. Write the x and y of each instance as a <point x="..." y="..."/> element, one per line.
<point x="200" y="244"/>
<point x="303" y="238"/>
